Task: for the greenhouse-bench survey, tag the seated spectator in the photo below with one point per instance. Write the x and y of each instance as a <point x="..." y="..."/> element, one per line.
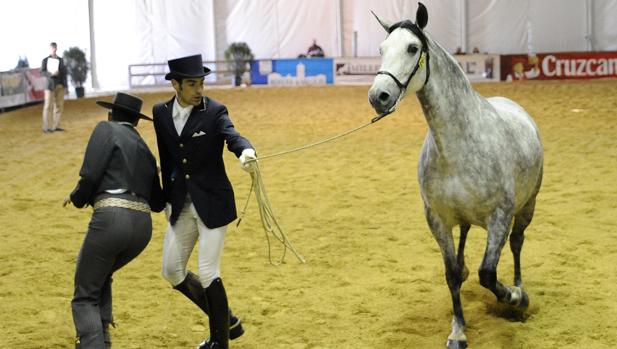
<point x="315" y="50"/>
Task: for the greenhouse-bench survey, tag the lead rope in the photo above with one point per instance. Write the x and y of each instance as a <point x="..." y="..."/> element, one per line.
<point x="266" y="214"/>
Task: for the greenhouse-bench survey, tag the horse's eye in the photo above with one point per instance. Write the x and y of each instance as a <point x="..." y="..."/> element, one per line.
<point x="380" y="51"/>
<point x="412" y="49"/>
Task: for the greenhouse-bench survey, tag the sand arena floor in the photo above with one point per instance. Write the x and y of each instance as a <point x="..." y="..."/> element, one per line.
<point x="374" y="276"/>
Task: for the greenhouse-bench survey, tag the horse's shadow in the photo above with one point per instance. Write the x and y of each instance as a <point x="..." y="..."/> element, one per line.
<point x="507" y="312"/>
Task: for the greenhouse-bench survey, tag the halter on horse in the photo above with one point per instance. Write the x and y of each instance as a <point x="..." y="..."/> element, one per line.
<point x="481" y="162"/>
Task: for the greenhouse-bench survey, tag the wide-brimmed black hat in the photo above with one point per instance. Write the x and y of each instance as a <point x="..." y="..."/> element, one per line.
<point x="126" y="103"/>
<point x="186" y="67"/>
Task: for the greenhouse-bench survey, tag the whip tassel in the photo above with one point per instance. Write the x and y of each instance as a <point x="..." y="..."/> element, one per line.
<point x="268" y="221"/>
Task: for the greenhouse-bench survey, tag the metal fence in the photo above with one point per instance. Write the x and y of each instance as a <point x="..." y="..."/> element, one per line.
<point x="153" y="74"/>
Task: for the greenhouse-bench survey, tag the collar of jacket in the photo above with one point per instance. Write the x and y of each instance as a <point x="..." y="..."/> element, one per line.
<point x="168" y="119"/>
<point x="200" y="107"/>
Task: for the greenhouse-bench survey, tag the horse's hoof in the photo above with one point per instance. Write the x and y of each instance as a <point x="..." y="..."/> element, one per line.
<point x="524" y="302"/>
<point x="456" y="344"/>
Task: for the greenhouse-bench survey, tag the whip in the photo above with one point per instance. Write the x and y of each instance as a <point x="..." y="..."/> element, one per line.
<point x="268" y="220"/>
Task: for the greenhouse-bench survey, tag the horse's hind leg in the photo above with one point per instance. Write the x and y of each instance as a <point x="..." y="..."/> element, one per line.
<point x="498" y="228"/>
<point x="517" y="237"/>
<point x="443" y="236"/>
<point x="460" y="255"/>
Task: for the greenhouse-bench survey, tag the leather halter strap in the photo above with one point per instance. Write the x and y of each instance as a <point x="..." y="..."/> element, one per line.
<point x="424" y="51"/>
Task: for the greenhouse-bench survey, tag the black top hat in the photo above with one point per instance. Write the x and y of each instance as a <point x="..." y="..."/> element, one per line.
<point x="125" y="103"/>
<point x="186" y="67"/>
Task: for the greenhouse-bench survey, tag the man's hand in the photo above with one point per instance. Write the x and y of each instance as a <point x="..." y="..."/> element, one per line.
<point x="248" y="160"/>
<point x="67" y="201"/>
<point x="167" y="210"/>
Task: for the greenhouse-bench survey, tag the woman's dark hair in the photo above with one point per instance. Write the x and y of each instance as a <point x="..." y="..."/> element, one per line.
<point x="122" y="115"/>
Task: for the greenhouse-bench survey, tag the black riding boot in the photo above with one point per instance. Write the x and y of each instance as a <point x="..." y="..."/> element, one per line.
<point x="191" y="288"/>
<point x="219" y="316"/>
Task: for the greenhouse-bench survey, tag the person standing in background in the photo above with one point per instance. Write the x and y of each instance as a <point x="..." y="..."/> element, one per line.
<point x="54" y="69"/>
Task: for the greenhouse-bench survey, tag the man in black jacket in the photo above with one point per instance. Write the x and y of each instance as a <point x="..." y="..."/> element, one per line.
<point x="119" y="179"/>
<point x="191" y="130"/>
<point x="54" y="70"/>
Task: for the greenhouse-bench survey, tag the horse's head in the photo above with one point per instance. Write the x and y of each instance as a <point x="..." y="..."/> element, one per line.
<point x="404" y="62"/>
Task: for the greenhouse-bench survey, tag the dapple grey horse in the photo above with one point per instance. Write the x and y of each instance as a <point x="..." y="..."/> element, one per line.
<point x="481" y="162"/>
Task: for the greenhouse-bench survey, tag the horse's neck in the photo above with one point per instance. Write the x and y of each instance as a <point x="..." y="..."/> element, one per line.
<point x="448" y="100"/>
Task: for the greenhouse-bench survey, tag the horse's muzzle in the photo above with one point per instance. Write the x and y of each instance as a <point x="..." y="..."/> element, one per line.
<point x="381" y="99"/>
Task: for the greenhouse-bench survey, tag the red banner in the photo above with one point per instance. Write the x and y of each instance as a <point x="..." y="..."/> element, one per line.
<point x="36" y="85"/>
<point x="551" y="66"/>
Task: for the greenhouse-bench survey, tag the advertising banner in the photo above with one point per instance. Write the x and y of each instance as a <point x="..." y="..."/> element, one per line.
<point x="479" y="67"/>
<point x="356" y="70"/>
<point x="36" y="85"/>
<point x="21" y="86"/>
<point x="292" y="72"/>
<point x="551" y="66"/>
<point x="12" y="89"/>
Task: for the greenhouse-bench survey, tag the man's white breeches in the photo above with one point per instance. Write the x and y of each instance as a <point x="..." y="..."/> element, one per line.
<point x="180" y="239"/>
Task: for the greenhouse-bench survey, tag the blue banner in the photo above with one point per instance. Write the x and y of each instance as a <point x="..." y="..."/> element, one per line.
<point x="292" y="72"/>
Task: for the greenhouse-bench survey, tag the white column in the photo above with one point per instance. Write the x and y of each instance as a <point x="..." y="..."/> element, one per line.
<point x="589" y="34"/>
<point x="463" y="24"/>
<point x="93" y="76"/>
<point x="339" y="27"/>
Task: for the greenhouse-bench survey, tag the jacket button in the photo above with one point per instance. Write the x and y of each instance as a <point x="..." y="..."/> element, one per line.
<point x="181" y="145"/>
<point x="187" y="177"/>
<point x="184" y="161"/>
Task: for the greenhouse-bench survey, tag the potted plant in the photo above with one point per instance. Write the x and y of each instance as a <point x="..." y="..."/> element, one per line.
<point x="77" y="68"/>
<point x="237" y="55"/>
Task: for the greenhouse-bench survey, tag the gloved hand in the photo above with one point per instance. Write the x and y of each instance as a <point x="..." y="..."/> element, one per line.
<point x="245" y="160"/>
<point x="167" y="210"/>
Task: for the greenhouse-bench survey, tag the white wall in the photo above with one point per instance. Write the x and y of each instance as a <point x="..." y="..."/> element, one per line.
<point x="27" y="27"/>
<point x="153" y="31"/>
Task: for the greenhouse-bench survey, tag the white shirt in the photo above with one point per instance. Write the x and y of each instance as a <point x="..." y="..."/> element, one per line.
<point x="180" y="115"/>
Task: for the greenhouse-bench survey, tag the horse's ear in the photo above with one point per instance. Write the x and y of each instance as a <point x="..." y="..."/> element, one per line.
<point x="383" y="23"/>
<point x="421" y="16"/>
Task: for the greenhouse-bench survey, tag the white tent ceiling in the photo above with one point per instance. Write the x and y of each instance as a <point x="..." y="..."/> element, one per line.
<point x="152" y="31"/>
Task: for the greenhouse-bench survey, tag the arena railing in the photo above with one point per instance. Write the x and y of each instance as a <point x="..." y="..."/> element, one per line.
<point x="153" y="74"/>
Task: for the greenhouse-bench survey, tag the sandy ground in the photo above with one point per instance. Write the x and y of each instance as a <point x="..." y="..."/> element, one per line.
<point x="374" y="276"/>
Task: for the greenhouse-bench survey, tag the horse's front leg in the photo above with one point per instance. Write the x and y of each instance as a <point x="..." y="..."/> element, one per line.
<point x="454" y="278"/>
<point x="498" y="228"/>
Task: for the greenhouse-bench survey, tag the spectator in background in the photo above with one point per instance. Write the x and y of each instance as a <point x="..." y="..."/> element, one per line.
<point x="22" y="63"/>
<point x="315" y="50"/>
<point x="459" y="51"/>
<point x="476" y="50"/>
<point x="54" y="69"/>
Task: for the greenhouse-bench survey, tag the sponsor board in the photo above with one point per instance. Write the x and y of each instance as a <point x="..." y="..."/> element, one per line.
<point x="292" y="72"/>
<point x="480" y="67"/>
<point x="550" y="66"/>
<point x="356" y="70"/>
<point x="363" y="70"/>
<point x="21" y="87"/>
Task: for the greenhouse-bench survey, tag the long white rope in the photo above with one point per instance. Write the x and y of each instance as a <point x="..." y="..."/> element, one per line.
<point x="268" y="221"/>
